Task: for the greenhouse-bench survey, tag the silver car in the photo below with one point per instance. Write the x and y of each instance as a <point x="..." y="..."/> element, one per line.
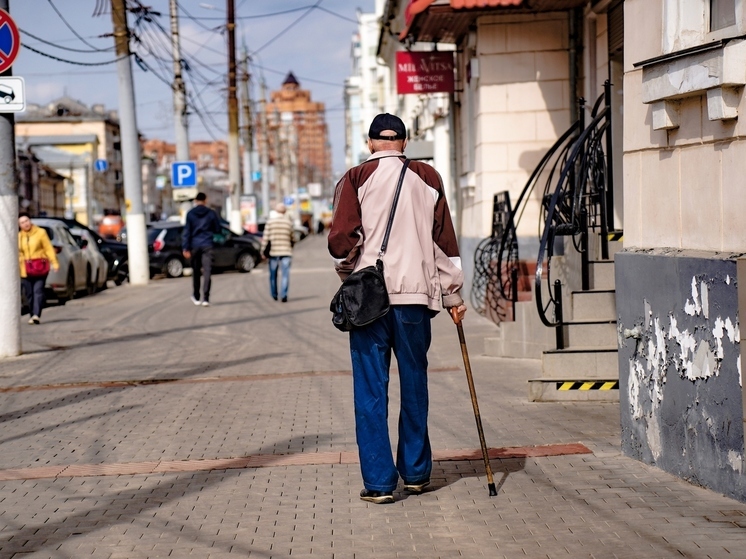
<point x="71" y="276"/>
<point x="98" y="268"/>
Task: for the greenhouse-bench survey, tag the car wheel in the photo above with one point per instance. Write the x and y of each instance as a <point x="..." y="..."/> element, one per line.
<point x="69" y="288"/>
<point x="245" y="262"/>
<point x="174" y="267"/>
<point x="90" y="284"/>
<point x="7" y="99"/>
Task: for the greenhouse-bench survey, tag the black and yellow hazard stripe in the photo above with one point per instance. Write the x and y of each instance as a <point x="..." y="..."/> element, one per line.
<point x="615" y="236"/>
<point x="589" y="385"/>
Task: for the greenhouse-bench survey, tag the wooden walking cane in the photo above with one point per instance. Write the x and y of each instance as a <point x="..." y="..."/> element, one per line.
<point x="475" y="405"/>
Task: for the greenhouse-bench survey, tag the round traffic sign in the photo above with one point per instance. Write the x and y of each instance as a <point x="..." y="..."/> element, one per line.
<point x="10" y="41"/>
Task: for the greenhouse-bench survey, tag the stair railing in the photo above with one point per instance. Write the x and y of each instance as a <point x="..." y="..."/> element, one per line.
<point x="574" y="205"/>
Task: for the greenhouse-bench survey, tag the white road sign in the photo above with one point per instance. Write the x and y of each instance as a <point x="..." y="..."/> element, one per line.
<point x="12" y="94"/>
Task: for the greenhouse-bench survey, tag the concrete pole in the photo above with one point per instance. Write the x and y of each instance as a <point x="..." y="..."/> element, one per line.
<point x="137" y="248"/>
<point x="247" y="135"/>
<point x="10" y="294"/>
<point x="181" y="122"/>
<point x="265" y="153"/>
<point x="234" y="151"/>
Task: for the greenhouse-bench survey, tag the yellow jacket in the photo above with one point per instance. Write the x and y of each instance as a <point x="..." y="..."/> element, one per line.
<point x="35" y="244"/>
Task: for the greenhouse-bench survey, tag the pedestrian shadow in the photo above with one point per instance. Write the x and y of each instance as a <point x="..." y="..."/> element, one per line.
<point x="57" y="403"/>
<point x="448" y="473"/>
<point x="149" y="335"/>
<point x="49" y="535"/>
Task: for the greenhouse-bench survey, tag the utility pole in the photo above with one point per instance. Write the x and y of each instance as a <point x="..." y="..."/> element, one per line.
<point x="181" y="122"/>
<point x="234" y="152"/>
<point x="137" y="248"/>
<point x="265" y="153"/>
<point x="247" y="135"/>
<point x="10" y="295"/>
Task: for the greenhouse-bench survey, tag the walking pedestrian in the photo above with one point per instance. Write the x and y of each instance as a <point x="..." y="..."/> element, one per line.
<point x="280" y="238"/>
<point x="422" y="268"/>
<point x="197" y="244"/>
<point x="35" y="258"/>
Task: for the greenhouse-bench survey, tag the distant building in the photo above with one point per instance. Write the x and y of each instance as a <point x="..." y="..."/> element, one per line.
<point x="41" y="190"/>
<point x="212" y="155"/>
<point x="298" y="137"/>
<point x="86" y="135"/>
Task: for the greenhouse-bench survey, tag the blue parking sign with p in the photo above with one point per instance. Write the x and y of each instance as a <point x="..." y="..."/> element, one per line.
<point x="184" y="174"/>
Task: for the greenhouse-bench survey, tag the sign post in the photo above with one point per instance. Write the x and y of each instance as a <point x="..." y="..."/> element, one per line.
<point x="10" y="295"/>
<point x="184" y="180"/>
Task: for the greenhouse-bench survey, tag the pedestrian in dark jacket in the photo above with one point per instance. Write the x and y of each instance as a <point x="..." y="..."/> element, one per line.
<point x="197" y="243"/>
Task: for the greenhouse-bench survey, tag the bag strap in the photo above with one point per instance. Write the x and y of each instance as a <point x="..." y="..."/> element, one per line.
<point x="385" y="242"/>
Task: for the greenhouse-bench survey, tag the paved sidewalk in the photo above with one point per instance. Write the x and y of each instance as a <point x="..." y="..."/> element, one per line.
<point x="137" y="425"/>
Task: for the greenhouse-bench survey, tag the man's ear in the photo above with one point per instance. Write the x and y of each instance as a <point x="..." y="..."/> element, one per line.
<point x="370" y="145"/>
<point x="404" y="145"/>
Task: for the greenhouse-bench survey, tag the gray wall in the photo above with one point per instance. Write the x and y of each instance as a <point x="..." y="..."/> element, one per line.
<point x="679" y="366"/>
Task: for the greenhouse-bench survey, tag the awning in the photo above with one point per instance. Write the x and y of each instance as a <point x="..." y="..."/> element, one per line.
<point x="447" y="21"/>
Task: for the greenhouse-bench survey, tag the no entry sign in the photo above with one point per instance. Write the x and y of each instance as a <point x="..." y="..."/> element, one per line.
<point x="10" y="41"/>
<point x="424" y="72"/>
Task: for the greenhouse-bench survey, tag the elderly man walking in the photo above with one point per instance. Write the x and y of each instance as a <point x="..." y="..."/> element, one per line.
<point x="279" y="237"/>
<point x="422" y="269"/>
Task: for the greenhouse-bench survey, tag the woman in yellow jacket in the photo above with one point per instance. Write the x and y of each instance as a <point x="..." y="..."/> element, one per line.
<point x="33" y="243"/>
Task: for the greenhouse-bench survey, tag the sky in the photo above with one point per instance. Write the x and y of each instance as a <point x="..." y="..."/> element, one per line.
<point x="311" y="38"/>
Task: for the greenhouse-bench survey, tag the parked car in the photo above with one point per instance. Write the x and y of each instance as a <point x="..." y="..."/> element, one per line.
<point x="73" y="273"/>
<point x="231" y="251"/>
<point x="111" y="226"/>
<point x="114" y="251"/>
<point x="99" y="267"/>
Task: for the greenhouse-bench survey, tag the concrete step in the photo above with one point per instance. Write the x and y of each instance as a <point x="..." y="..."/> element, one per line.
<point x="596" y="304"/>
<point x="551" y="390"/>
<point x="580" y="363"/>
<point x="602" y="274"/>
<point x="526" y="338"/>
<point x="592" y="333"/>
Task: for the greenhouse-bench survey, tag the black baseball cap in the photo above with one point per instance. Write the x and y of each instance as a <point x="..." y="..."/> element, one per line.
<point x="386" y="122"/>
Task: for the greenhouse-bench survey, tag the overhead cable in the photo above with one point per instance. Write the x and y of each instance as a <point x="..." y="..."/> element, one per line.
<point x="70" y="27"/>
<point x="32" y="49"/>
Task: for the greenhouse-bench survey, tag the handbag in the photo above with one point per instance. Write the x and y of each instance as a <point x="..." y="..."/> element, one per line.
<point x="267" y="249"/>
<point x="37" y="267"/>
<point x="363" y="297"/>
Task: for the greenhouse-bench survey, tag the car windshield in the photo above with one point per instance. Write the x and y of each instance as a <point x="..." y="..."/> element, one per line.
<point x="153" y="234"/>
<point x="49" y="231"/>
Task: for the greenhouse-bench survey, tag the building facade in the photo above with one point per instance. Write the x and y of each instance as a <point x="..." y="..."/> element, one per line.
<point x="88" y="135"/>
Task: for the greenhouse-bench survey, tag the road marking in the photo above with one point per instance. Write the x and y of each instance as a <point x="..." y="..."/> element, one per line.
<point x="273" y="460"/>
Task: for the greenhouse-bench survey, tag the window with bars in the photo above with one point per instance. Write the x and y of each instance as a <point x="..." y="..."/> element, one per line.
<point x="722" y="14"/>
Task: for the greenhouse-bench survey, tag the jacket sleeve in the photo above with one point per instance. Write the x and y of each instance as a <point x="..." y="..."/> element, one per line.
<point x="48" y="249"/>
<point x="345" y="235"/>
<point x="447" y="257"/>
<point x="186" y="235"/>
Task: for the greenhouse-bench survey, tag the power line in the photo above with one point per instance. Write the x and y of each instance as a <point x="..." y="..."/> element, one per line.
<point x="335" y="14"/>
<point x="51" y="44"/>
<point x="70" y="27"/>
<point x="255" y="16"/>
<point x="281" y="33"/>
<point x="32" y="49"/>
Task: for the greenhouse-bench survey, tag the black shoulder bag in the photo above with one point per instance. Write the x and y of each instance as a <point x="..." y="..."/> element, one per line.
<point x="363" y="297"/>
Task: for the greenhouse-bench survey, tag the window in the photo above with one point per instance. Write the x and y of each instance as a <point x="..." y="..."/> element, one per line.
<point x="722" y="14"/>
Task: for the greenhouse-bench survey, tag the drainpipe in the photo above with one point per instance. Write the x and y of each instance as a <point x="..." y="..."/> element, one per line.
<point x="575" y="41"/>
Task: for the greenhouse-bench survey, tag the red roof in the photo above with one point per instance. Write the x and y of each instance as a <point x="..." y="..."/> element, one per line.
<point x="418" y="6"/>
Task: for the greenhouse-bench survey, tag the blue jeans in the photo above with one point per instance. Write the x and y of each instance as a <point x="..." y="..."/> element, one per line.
<point x="405" y="329"/>
<point x="284" y="263"/>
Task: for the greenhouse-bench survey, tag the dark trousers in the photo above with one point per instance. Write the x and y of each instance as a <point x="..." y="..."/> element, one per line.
<point x="33" y="288"/>
<point x="202" y="265"/>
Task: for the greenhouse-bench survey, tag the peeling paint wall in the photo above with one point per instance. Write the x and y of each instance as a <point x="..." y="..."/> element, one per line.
<point x="680" y="366"/>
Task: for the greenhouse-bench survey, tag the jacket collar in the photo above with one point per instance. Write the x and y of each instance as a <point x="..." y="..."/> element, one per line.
<point x="387" y="153"/>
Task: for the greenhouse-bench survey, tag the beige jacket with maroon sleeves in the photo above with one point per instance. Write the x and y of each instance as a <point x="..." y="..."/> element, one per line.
<point x="422" y="265"/>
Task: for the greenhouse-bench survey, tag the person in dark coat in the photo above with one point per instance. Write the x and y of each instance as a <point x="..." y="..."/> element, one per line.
<point x="197" y="245"/>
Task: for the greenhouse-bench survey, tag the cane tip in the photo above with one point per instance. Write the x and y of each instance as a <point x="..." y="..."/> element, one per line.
<point x="493" y="490"/>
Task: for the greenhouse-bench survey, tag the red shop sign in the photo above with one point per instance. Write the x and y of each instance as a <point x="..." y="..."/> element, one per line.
<point x="424" y="72"/>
